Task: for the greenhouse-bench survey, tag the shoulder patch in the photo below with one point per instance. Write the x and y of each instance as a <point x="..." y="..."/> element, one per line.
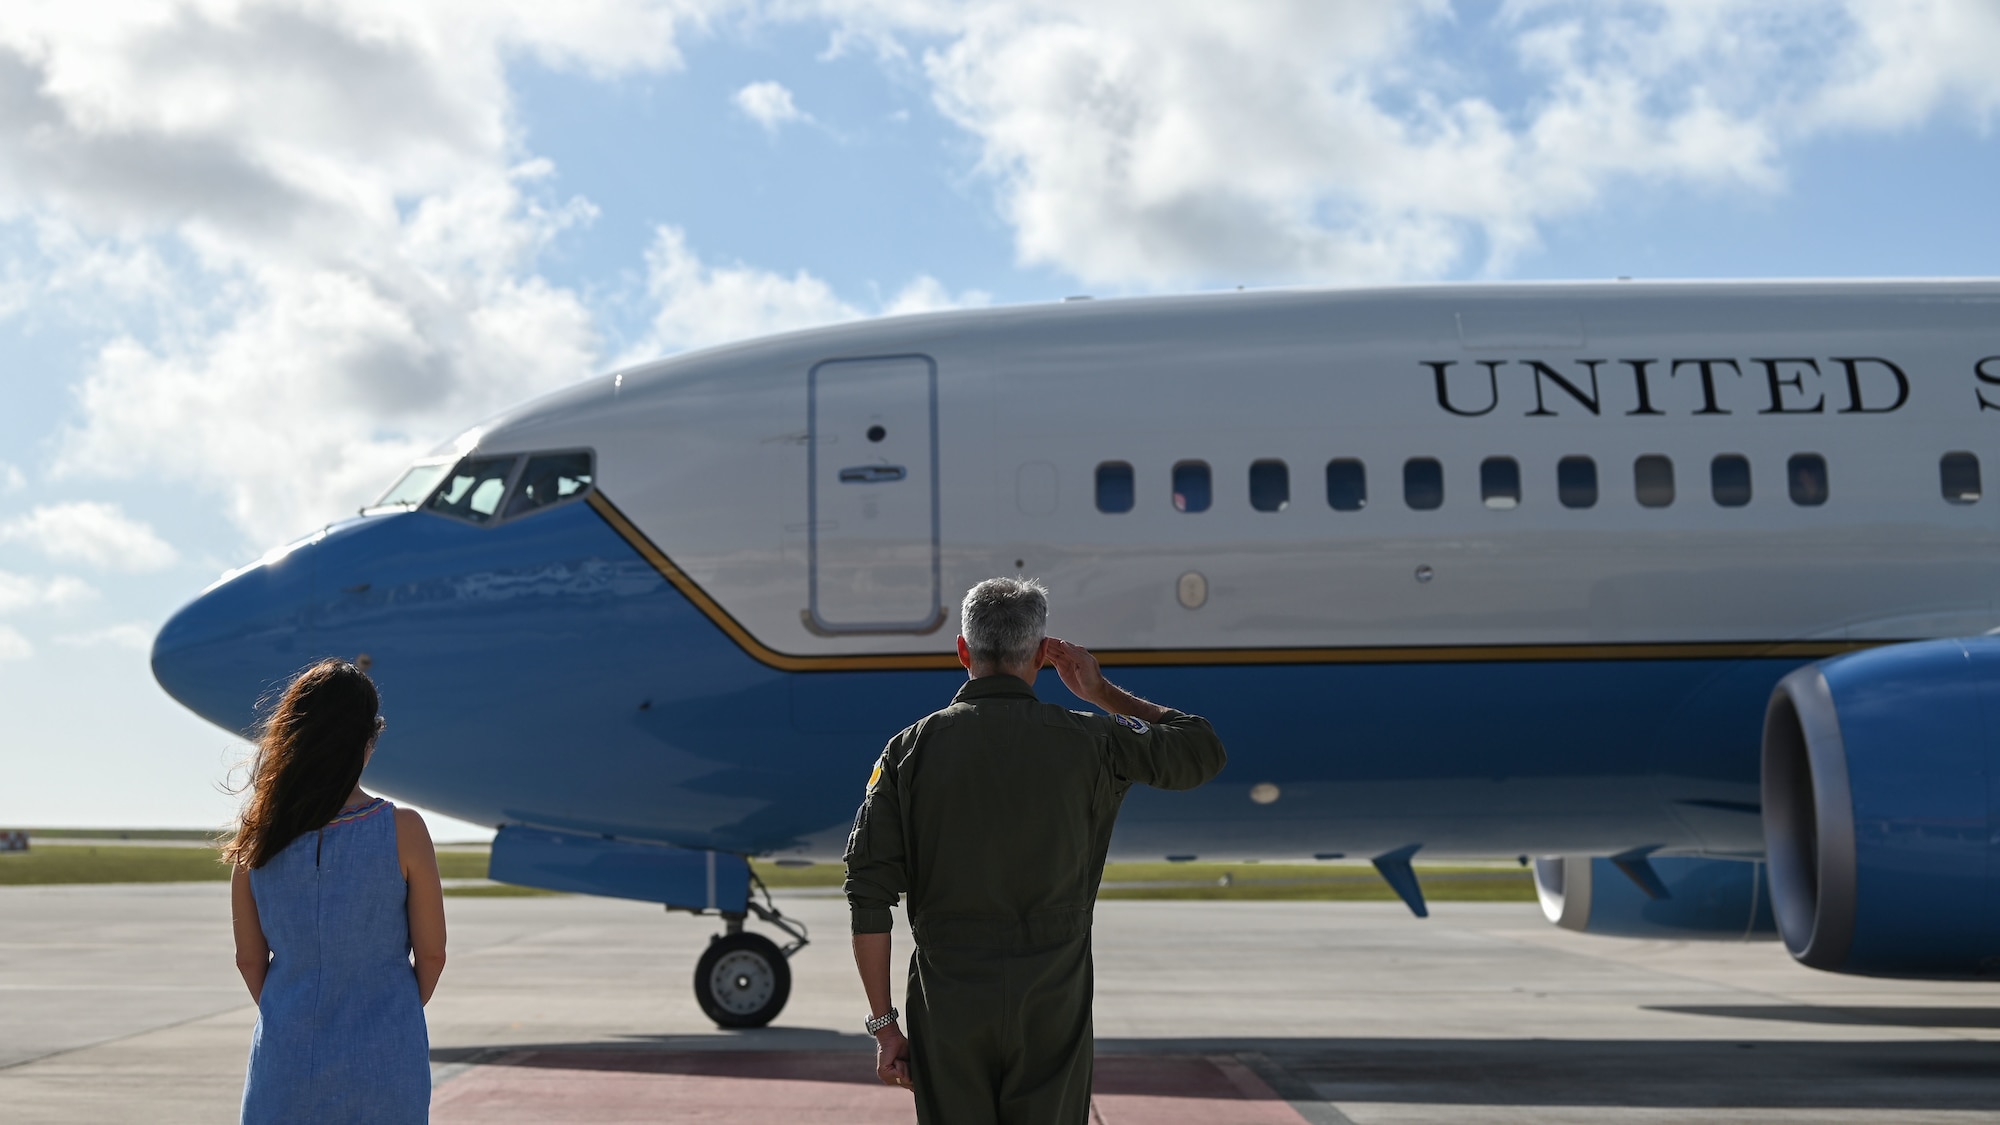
<point x="1136" y="726"/>
<point x="875" y="778"/>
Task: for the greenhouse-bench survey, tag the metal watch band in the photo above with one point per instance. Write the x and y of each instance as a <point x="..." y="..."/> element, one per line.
<point x="877" y="1023"/>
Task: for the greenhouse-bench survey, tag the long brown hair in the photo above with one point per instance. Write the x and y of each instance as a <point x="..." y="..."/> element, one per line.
<point x="308" y="759"/>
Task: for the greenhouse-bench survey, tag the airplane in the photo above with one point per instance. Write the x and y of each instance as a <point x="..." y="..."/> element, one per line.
<point x="1683" y="588"/>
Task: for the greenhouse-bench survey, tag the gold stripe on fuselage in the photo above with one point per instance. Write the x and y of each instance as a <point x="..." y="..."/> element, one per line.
<point x="1395" y="654"/>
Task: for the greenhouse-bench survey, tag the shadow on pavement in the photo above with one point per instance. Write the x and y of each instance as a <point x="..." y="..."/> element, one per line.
<point x="773" y="1065"/>
<point x="1850" y="1016"/>
<point x="598" y="1082"/>
<point x="760" y="1040"/>
<point x="1657" y="1073"/>
<point x="1641" y="1073"/>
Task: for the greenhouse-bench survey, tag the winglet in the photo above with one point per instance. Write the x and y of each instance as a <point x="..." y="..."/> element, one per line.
<point x="1637" y="869"/>
<point x="1395" y="869"/>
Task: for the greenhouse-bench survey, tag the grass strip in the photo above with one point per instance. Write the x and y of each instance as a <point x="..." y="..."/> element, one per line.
<point x="1485" y="886"/>
<point x="118" y="863"/>
<point x="818" y="875"/>
<point x="1331" y="882"/>
<point x="498" y="890"/>
<point x="110" y="864"/>
<point x="137" y="835"/>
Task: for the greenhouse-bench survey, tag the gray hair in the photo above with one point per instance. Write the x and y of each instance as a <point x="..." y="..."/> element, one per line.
<point x="1003" y="620"/>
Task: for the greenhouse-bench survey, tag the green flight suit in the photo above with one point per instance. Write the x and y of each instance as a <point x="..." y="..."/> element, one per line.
<point x="994" y="816"/>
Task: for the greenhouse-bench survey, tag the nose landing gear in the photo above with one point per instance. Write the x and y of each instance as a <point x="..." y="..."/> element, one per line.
<point x="743" y="979"/>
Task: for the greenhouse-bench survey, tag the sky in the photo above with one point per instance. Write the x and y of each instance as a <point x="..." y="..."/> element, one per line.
<point x="255" y="256"/>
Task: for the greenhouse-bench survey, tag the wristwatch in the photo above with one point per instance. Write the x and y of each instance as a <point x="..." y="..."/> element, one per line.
<point x="877" y="1023"/>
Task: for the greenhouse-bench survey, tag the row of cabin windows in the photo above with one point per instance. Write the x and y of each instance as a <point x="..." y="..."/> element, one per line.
<point x="1500" y="482"/>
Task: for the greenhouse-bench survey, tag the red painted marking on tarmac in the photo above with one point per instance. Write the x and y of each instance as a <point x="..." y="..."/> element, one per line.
<point x="1180" y="1090"/>
<point x="629" y="1087"/>
<point x="632" y="1087"/>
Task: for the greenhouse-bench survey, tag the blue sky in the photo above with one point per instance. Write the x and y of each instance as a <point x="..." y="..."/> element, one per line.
<point x="253" y="256"/>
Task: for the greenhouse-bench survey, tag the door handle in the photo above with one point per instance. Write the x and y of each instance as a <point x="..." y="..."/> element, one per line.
<point x="872" y="474"/>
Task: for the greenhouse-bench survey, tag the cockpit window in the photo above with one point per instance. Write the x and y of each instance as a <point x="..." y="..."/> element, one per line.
<point x="415" y="484"/>
<point x="550" y="478"/>
<point x="474" y="488"/>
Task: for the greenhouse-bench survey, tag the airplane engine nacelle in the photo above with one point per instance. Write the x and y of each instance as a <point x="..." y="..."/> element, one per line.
<point x="1704" y="899"/>
<point x="1881" y="773"/>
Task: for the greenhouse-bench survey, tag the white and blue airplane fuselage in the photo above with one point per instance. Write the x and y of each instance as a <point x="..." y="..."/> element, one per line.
<point x="1476" y="570"/>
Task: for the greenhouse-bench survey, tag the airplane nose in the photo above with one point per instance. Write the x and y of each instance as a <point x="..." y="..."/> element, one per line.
<point x="241" y="637"/>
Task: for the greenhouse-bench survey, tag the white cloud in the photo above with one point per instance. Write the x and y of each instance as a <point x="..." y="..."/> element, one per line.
<point x="769" y="104"/>
<point x="21" y="591"/>
<point x="325" y="383"/>
<point x="14" y="646"/>
<point x="699" y="305"/>
<point x="91" y="532"/>
<point x="327" y="206"/>
<point x="1910" y="59"/>
<point x="1159" y="142"/>
<point x="136" y="636"/>
<point x="928" y="294"/>
<point x="327" y="213"/>
<point x="11" y="478"/>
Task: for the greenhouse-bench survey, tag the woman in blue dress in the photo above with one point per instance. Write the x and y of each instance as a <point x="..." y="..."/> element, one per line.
<point x="339" y="917"/>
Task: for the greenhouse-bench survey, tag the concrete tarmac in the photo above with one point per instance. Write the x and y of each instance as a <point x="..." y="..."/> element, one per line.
<point x="121" y="1004"/>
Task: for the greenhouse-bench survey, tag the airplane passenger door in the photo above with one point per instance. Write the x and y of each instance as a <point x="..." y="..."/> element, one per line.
<point x="873" y="495"/>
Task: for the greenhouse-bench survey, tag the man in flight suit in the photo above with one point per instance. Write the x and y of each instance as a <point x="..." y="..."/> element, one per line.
<point x="993" y="816"/>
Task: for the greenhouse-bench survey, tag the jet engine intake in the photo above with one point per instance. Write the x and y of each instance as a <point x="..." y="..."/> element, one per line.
<point x="1881" y="771"/>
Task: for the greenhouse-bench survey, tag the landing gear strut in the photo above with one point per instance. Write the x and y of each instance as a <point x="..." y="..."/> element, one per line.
<point x="742" y="979"/>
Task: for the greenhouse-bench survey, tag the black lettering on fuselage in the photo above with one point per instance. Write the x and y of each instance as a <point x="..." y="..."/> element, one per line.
<point x="1867" y="379"/>
<point x="1796" y="381"/>
<point x="1639" y="384"/>
<point x="1852" y="365"/>
<point x="1707" y="368"/>
<point x="1544" y="371"/>
<point x="1444" y="387"/>
<point x="1989" y="377"/>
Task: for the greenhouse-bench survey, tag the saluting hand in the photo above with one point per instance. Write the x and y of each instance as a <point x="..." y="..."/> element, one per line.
<point x="892" y="1057"/>
<point x="1080" y="673"/>
<point x="1078" y="669"/>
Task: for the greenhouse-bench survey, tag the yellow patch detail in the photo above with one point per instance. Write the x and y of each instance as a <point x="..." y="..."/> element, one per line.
<point x="874" y="777"/>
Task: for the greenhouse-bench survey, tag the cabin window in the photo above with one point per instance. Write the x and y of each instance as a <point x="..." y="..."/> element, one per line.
<point x="1500" y="482"/>
<point x="1576" y="482"/>
<point x="1191" y="486"/>
<point x="1806" y="473"/>
<point x="473" y="489"/>
<point x="1346" y="485"/>
<point x="1958" y="477"/>
<point x="1653" y="480"/>
<point x="1270" y="486"/>
<point x="1423" y="483"/>
<point x="1114" y="486"/>
<point x="550" y="478"/>
<point x="413" y="486"/>
<point x="1729" y="479"/>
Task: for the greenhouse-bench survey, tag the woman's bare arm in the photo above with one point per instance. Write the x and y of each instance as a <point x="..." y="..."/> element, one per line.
<point x="253" y="953"/>
<point x="426" y="899"/>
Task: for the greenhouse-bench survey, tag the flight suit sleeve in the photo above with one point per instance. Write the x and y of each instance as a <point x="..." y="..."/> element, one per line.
<point x="1180" y="751"/>
<point x="877" y="875"/>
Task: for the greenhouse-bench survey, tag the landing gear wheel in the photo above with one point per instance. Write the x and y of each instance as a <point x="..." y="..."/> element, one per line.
<point x="742" y="980"/>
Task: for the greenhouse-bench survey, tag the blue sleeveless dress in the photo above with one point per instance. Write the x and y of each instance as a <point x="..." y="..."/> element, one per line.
<point x="340" y="1034"/>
